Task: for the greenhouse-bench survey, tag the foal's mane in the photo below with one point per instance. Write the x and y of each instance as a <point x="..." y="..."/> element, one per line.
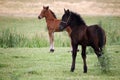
<point x="53" y="14"/>
<point x="79" y="19"/>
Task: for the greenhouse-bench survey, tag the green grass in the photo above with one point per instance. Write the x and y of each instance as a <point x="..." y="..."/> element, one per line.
<point x="39" y="64"/>
<point x="31" y="32"/>
<point x="26" y="26"/>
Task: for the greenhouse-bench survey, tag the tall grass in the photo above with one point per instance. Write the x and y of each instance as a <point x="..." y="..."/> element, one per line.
<point x="104" y="61"/>
<point x="31" y="32"/>
<point x="10" y="38"/>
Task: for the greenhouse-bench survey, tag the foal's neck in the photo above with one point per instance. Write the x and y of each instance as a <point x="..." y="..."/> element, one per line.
<point x="49" y="17"/>
<point x="78" y="27"/>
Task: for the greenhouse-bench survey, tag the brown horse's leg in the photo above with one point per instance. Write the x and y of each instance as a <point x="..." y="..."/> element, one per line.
<point x="84" y="58"/>
<point x="74" y="53"/>
<point x="51" y="37"/>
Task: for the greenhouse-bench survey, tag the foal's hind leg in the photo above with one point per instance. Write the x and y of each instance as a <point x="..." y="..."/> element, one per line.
<point x="51" y="37"/>
<point x="97" y="50"/>
<point x="84" y="58"/>
<point x="101" y="58"/>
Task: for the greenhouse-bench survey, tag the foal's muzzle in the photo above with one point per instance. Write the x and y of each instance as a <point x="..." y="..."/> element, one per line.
<point x="61" y="28"/>
<point x="39" y="17"/>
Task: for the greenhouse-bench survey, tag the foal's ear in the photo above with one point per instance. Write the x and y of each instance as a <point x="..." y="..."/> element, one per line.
<point x="64" y="10"/>
<point x="43" y="7"/>
<point x="68" y="11"/>
<point x="47" y="7"/>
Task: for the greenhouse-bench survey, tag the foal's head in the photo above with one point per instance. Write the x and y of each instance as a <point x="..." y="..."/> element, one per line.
<point x="66" y="18"/>
<point x="46" y="12"/>
<point x="71" y="19"/>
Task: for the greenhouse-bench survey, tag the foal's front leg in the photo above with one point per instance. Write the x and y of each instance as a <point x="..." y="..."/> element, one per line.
<point x="51" y="37"/>
<point x="74" y="53"/>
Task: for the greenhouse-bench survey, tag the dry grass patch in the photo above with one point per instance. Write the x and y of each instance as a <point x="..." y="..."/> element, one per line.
<point x="33" y="8"/>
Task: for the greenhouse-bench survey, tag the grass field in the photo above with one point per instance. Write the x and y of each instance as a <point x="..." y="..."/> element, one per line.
<point x="39" y="64"/>
<point x="24" y="41"/>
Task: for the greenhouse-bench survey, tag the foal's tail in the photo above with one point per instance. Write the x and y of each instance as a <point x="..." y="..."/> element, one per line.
<point x="102" y="37"/>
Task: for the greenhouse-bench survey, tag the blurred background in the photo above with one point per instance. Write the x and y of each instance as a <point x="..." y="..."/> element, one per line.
<point x="33" y="7"/>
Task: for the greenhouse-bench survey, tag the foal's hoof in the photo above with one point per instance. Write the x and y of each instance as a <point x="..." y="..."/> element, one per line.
<point x="51" y="50"/>
<point x="77" y="50"/>
<point x="72" y="69"/>
<point x="85" y="71"/>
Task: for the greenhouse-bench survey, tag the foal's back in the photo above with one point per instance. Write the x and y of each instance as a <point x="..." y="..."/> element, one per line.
<point x="96" y="35"/>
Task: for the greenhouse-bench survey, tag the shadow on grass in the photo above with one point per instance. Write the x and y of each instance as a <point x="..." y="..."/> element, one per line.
<point x="19" y="57"/>
<point x="3" y="65"/>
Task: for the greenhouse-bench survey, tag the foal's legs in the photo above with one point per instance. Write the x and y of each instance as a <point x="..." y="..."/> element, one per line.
<point x="51" y="37"/>
<point x="84" y="58"/>
<point x="97" y="50"/>
<point x="74" y="53"/>
<point x="101" y="58"/>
